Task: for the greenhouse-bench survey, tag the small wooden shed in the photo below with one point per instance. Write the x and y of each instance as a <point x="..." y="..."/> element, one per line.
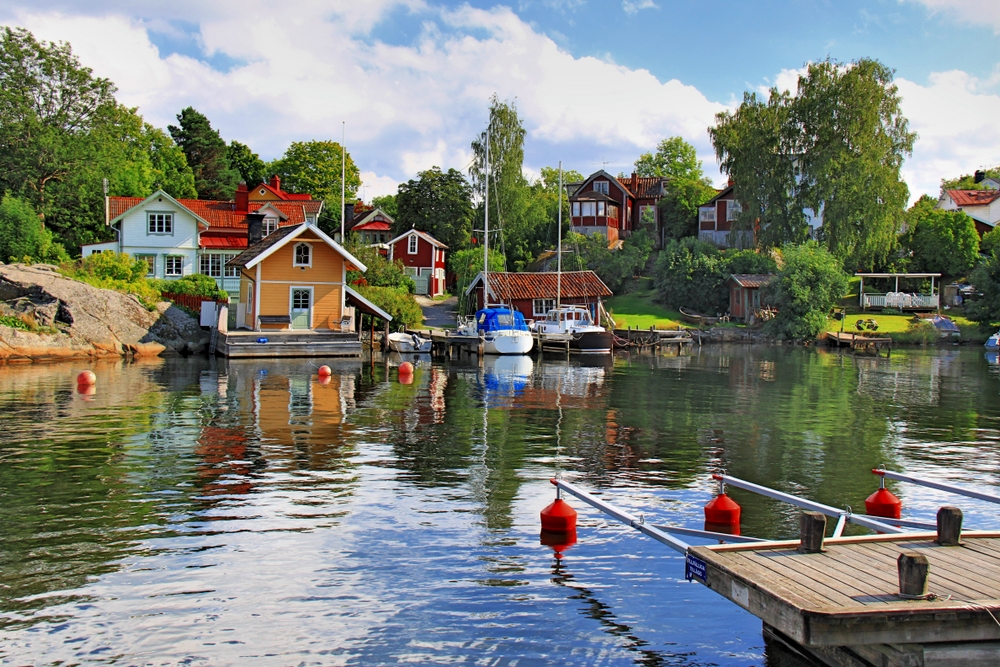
<point x="744" y="294"/>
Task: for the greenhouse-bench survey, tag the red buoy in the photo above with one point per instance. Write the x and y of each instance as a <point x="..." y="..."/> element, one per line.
<point x="722" y="510"/>
<point x="405" y="379"/>
<point x="324" y="371"/>
<point x="558" y="516"/>
<point x="406" y="368"/>
<point x="86" y="378"/>
<point x="558" y="540"/>
<point x="727" y="528"/>
<point x="883" y="502"/>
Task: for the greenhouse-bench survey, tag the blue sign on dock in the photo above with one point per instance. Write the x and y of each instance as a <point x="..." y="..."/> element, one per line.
<point x="694" y="568"/>
<point x="261" y="340"/>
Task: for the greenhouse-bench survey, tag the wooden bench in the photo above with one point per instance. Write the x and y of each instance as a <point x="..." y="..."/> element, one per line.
<point x="275" y="319"/>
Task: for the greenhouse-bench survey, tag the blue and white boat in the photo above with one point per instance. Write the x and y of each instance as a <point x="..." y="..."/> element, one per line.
<point x="502" y="328"/>
<point x="993" y="342"/>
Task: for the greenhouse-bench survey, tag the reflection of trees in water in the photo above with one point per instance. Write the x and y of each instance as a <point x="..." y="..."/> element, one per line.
<point x="601" y="612"/>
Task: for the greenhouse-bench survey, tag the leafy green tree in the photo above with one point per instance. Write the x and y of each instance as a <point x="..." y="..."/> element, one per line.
<point x="550" y="179"/>
<point x="616" y="268"/>
<point x="252" y="169"/>
<point x="439" y="203"/>
<point x="466" y="265"/>
<point x="387" y="203"/>
<point x="836" y="146"/>
<point x="990" y="243"/>
<point x="23" y="236"/>
<point x="673" y="158"/>
<point x="986" y="278"/>
<point x="691" y="273"/>
<point x="678" y="208"/>
<point x="398" y="303"/>
<point x="171" y="172"/>
<point x="206" y="154"/>
<point x="314" y="167"/>
<point x="940" y="241"/>
<point x="808" y="285"/>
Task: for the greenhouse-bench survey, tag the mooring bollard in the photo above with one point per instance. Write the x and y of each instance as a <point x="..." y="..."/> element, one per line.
<point x="812" y="528"/>
<point x="913" y="570"/>
<point x="949" y="526"/>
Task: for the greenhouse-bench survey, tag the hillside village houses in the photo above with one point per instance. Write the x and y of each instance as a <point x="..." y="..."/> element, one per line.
<point x="983" y="206"/>
<point x="372" y="225"/>
<point x="716" y="217"/>
<point x="178" y="237"/>
<point x="603" y="204"/>
<point x="423" y="258"/>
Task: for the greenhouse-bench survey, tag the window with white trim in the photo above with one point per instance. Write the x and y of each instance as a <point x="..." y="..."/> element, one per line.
<point x="302" y="254"/>
<point x="211" y="265"/>
<point x="160" y="223"/>
<point x="150" y="263"/>
<point x="576" y="209"/>
<point x="601" y="186"/>
<point x="588" y="208"/>
<point x="541" y="307"/>
<point x="411" y="249"/>
<point x="173" y="265"/>
<point x="269" y="226"/>
<point x="732" y="209"/>
<point x="706" y="213"/>
<point x="600" y="208"/>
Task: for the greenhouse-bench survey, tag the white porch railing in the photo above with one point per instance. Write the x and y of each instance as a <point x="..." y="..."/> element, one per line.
<point x="901" y="300"/>
<point x="231" y="285"/>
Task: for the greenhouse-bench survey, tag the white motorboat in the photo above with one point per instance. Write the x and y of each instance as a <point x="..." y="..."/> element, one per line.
<point x="572" y="328"/>
<point x="405" y="342"/>
<point x="993" y="342"/>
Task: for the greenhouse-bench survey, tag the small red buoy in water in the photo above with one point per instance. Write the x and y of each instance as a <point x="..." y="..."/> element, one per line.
<point x="883" y="502"/>
<point x="722" y="510"/>
<point x="727" y="528"/>
<point x="558" y="516"/>
<point x="324" y="371"/>
<point x="406" y="368"/>
<point x="86" y="378"/>
<point x="86" y="389"/>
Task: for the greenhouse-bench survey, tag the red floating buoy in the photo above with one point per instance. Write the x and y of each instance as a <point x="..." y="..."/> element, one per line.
<point x="86" y="378"/>
<point x="86" y="389"/>
<point x="324" y="371"/>
<point x="883" y="502"/>
<point x="558" y="516"/>
<point x="406" y="368"/>
<point x="722" y="510"/>
<point x="727" y="528"/>
<point x="558" y="540"/>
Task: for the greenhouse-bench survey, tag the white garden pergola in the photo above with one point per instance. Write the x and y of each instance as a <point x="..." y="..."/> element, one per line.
<point x="897" y="299"/>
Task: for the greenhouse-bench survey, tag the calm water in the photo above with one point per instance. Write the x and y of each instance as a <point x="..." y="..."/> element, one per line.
<point x="208" y="513"/>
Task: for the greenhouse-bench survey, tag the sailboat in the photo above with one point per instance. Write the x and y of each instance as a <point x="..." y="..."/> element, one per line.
<point x="570" y="328"/>
<point x="501" y="327"/>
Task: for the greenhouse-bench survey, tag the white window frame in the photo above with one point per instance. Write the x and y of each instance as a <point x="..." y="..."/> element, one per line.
<point x="150" y="259"/>
<point x="576" y="209"/>
<point x="412" y="245"/>
<point x="229" y="271"/>
<point x="159" y="223"/>
<point x="295" y="255"/>
<point x="706" y="213"/>
<point x="733" y="209"/>
<point x="269" y="226"/>
<point x="167" y="261"/>
<point x="541" y="307"/>
<point x="602" y="187"/>
<point x="601" y="209"/>
<point x="588" y="210"/>
<point x="206" y="261"/>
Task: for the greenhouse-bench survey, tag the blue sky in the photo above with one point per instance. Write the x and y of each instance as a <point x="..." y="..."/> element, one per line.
<point x="594" y="81"/>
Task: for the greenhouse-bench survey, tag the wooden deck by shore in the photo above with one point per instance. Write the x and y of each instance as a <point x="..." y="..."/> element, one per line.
<point x="859" y="342"/>
<point x="843" y="604"/>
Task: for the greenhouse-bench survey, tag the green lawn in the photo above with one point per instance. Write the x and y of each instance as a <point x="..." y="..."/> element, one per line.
<point x="637" y="309"/>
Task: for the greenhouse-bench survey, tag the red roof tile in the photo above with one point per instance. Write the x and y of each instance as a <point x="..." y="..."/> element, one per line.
<point x="973" y="197"/>
<point x="223" y="214"/>
<point x="373" y="226"/>
<point x="644" y="187"/>
<point x="575" y="284"/>
<point x="223" y="241"/>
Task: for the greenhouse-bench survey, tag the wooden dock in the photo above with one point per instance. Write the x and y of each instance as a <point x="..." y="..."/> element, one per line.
<point x="859" y="342"/>
<point x="843" y="605"/>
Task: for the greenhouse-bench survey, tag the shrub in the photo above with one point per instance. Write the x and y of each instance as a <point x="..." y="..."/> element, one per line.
<point x="380" y="271"/>
<point x="115" y="271"/>
<point x="400" y="304"/>
<point x="941" y="241"/>
<point x="14" y="322"/>
<point x="986" y="278"/>
<point x="807" y="287"/>
<point x="22" y="236"/>
<point x="195" y="284"/>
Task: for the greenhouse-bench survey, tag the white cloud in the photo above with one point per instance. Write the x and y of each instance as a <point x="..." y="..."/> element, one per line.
<point x="973" y="12"/>
<point x="373" y="185"/>
<point x="407" y="107"/>
<point x="957" y="129"/>
<point x="634" y="6"/>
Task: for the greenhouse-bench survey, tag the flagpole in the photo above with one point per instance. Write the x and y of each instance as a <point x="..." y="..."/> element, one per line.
<point x="343" y="180"/>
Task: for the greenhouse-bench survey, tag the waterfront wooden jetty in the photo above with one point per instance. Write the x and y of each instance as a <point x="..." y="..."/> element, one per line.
<point x="293" y="343"/>
<point x="858" y="342"/>
<point x="848" y="596"/>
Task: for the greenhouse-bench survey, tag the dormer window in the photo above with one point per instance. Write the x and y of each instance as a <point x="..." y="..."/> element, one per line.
<point x="270" y="225"/>
<point x="412" y="247"/>
<point x="601" y="186"/>
<point x="302" y="255"/>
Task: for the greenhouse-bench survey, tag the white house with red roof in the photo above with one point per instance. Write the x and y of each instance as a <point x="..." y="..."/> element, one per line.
<point x="424" y="259"/>
<point x="178" y="237"/>
<point x="983" y="206"/>
<point x="373" y="226"/>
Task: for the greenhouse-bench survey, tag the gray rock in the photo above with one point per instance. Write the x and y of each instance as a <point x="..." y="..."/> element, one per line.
<point x="86" y="321"/>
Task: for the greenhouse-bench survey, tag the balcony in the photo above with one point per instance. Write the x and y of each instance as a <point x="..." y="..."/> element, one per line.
<point x="901" y="300"/>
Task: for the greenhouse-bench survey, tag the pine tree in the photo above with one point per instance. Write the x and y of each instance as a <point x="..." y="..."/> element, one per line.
<point x="206" y="154"/>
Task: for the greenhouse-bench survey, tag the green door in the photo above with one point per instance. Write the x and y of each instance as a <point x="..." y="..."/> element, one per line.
<point x="301" y="311"/>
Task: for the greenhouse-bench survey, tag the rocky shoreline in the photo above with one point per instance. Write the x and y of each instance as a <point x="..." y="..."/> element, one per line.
<point x="76" y="320"/>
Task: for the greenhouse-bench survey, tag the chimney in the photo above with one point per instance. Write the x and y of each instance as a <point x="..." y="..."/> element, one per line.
<point x="255" y="228"/>
<point x="980" y="176"/>
<point x="348" y="216"/>
<point x="731" y="182"/>
<point x="242" y="197"/>
<point x="276" y="182"/>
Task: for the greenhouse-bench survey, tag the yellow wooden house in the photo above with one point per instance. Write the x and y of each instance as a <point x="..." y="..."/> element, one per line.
<point x="295" y="278"/>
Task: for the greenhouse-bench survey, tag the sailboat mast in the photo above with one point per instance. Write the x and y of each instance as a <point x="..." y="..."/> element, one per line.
<point x="486" y="228"/>
<point x="559" y="244"/>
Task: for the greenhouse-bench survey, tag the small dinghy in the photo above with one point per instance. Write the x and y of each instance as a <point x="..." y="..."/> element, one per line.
<point x="406" y="342"/>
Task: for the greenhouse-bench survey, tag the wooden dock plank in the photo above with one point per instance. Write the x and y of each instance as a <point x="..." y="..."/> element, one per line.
<point x="955" y="579"/>
<point x="783" y="565"/>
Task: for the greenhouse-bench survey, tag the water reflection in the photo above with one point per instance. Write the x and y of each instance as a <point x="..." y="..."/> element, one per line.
<point x="209" y="512"/>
